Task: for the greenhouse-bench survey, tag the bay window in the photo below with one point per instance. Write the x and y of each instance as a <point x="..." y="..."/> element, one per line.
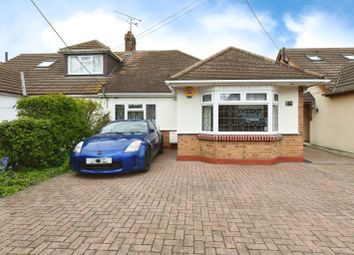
<point x="243" y="118"/>
<point x="240" y="112"/>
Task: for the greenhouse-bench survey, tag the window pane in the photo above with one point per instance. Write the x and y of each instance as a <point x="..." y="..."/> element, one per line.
<point x="276" y="97"/>
<point x="207" y="118"/>
<point x="230" y="97"/>
<point x="120" y="112"/>
<point x="74" y="65"/>
<point x="151" y="112"/>
<point x="135" y="106"/>
<point x="135" y="115"/>
<point x="256" y="97"/>
<point x="86" y="62"/>
<point x="97" y="64"/>
<point x="207" y="98"/>
<point x="243" y="117"/>
<point x="275" y="118"/>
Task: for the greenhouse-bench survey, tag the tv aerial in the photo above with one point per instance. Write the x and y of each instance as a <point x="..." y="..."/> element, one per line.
<point x="129" y="19"/>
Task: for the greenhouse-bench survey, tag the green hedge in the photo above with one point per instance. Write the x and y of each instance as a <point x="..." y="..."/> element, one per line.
<point x="30" y="142"/>
<point x="70" y="123"/>
<point x="47" y="128"/>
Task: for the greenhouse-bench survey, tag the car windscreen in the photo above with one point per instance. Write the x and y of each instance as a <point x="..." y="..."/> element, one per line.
<point x="125" y="127"/>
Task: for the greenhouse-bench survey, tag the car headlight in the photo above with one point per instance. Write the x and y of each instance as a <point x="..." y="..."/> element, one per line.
<point x="134" y="146"/>
<point x="78" y="147"/>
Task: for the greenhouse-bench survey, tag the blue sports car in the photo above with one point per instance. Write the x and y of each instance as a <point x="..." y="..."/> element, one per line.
<point x="121" y="146"/>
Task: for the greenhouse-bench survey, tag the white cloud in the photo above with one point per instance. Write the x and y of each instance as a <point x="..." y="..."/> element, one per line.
<point x="213" y="32"/>
<point x="204" y="36"/>
<point x="82" y="27"/>
<point x="320" y="29"/>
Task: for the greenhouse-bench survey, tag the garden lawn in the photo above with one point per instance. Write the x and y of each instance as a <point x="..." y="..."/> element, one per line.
<point x="12" y="181"/>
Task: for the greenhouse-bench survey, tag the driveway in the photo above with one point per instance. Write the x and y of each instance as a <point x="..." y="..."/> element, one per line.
<point x="189" y="207"/>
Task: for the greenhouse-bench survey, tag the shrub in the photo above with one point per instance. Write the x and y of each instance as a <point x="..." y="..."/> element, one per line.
<point x="30" y="142"/>
<point x="70" y="124"/>
<point x="94" y="114"/>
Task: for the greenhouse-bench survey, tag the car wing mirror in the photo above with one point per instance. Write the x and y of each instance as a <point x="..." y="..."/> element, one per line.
<point x="152" y="130"/>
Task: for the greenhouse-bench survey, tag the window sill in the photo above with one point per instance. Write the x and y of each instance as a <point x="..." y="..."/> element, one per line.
<point x="240" y="138"/>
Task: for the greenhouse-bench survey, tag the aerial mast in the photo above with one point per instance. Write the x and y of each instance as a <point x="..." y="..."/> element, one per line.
<point x="129" y="19"/>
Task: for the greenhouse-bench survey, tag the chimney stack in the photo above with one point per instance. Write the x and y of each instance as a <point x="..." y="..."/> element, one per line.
<point x="130" y="42"/>
<point x="6" y="56"/>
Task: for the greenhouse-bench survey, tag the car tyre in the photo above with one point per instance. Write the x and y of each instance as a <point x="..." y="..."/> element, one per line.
<point x="161" y="146"/>
<point x="147" y="162"/>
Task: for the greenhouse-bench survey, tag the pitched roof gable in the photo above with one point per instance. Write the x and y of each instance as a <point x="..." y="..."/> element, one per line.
<point x="90" y="45"/>
<point x="234" y="64"/>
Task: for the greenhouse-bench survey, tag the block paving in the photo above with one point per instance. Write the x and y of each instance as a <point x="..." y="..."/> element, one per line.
<point x="188" y="208"/>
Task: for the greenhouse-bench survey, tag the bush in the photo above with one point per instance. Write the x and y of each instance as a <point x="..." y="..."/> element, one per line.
<point x="94" y="114"/>
<point x="70" y="124"/>
<point x="47" y="128"/>
<point x="30" y="142"/>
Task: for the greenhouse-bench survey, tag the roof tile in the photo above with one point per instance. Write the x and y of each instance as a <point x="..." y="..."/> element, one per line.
<point x="234" y="64"/>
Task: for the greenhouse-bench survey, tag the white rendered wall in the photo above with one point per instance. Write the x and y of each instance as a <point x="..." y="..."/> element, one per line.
<point x="165" y="109"/>
<point x="332" y="126"/>
<point x="288" y="115"/>
<point x="7" y="106"/>
<point x="189" y="116"/>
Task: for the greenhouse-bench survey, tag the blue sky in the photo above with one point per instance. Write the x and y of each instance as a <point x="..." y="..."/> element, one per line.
<point x="214" y="25"/>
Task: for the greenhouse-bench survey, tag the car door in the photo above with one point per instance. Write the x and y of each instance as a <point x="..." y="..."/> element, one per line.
<point x="154" y="138"/>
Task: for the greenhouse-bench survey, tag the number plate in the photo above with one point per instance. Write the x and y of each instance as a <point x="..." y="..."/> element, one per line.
<point x="99" y="161"/>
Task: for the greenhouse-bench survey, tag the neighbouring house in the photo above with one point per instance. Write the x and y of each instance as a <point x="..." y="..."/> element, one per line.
<point x="129" y="84"/>
<point x="10" y="92"/>
<point x="329" y="108"/>
<point x="239" y="107"/>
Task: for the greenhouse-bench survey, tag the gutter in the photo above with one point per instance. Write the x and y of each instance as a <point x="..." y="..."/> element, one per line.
<point x="202" y="83"/>
<point x="139" y="95"/>
<point x="23" y="84"/>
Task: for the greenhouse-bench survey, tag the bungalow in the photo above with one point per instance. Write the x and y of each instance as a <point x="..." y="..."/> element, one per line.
<point x="239" y="107"/>
<point x="233" y="107"/>
<point x="328" y="110"/>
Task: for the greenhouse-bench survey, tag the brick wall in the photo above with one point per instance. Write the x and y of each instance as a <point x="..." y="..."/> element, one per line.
<point x="288" y="148"/>
<point x="166" y="140"/>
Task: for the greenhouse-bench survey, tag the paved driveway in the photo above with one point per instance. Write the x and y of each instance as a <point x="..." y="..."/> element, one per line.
<point x="189" y="207"/>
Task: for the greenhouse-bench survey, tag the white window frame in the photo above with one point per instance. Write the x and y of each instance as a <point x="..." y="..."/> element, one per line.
<point x="210" y="103"/>
<point x="143" y="109"/>
<point x="79" y="57"/>
<point x="243" y="101"/>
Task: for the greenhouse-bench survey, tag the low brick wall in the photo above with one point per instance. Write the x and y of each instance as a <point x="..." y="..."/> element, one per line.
<point x="251" y="150"/>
